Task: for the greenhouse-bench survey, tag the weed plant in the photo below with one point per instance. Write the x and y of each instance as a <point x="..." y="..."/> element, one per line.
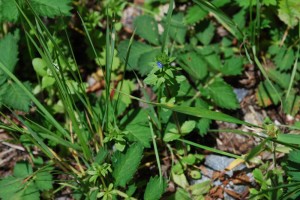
<point x="109" y="147"/>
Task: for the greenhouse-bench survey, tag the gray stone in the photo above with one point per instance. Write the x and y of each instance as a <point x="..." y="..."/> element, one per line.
<point x="216" y="162"/>
<point x="240" y="93"/>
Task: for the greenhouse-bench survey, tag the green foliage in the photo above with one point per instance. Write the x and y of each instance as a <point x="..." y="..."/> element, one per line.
<point x="9" y="54"/>
<point x="265" y="95"/>
<point x="24" y="184"/>
<point x="125" y="165"/>
<point x="49" y="8"/>
<point x="181" y="82"/>
<point x="11" y="95"/>
<point x="289" y="12"/>
<point x="147" y="27"/>
<point x="140" y="55"/>
<point x="223" y="95"/>
<point x="155" y="188"/>
<point x="194" y="65"/>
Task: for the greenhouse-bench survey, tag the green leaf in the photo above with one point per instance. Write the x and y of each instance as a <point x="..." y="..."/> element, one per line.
<point x="204" y="113"/>
<point x="8" y="55"/>
<point x="43" y="180"/>
<point x="169" y="137"/>
<point x="177" y="29"/>
<point x="51" y="8"/>
<point x="147" y="28"/>
<point x="289" y="12"/>
<point x="155" y="188"/>
<point x="282" y="79"/>
<point x="47" y="81"/>
<point x="14" y="97"/>
<point x="145" y="60"/>
<point x="233" y="66"/>
<point x="284" y="60"/>
<point x="8" y="11"/>
<point x="214" y="61"/>
<point x="195" y="14"/>
<point x="240" y="18"/>
<point x="137" y="50"/>
<point x="181" y="194"/>
<point x="126" y="164"/>
<point x="127" y="88"/>
<point x="190" y="159"/>
<point x="207" y="35"/>
<point x="10" y="187"/>
<point x="195" y="65"/>
<point x="22" y="170"/>
<point x="222" y="94"/>
<point x="289" y="138"/>
<point x="203" y="126"/>
<point x="39" y="66"/>
<point x="292" y="104"/>
<point x="14" y="188"/>
<point x="187" y="127"/>
<point x="265" y="95"/>
<point x="200" y="188"/>
<point x="180" y="180"/>
<point x="141" y="133"/>
<point x="220" y="3"/>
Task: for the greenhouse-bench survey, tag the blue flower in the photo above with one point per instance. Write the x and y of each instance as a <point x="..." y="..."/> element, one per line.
<point x="159" y="65"/>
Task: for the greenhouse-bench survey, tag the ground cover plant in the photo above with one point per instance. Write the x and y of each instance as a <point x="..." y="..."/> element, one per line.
<point x="136" y="100"/>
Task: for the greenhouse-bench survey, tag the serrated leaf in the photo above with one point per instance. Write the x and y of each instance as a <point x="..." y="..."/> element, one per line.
<point x="284" y="60"/>
<point x="141" y="133"/>
<point x="222" y="94"/>
<point x="127" y="164"/>
<point x="220" y="3"/>
<point x="207" y="35"/>
<point x="22" y="170"/>
<point x="289" y="12"/>
<point x="14" y="97"/>
<point x="203" y="126"/>
<point x="137" y="50"/>
<point x="8" y="55"/>
<point x="51" y="8"/>
<point x="240" y="19"/>
<point x="247" y="3"/>
<point x="155" y="188"/>
<point x="177" y="29"/>
<point x="195" y="14"/>
<point x="147" y="28"/>
<point x="127" y="87"/>
<point x="145" y="60"/>
<point x="233" y="66"/>
<point x="265" y="94"/>
<point x="10" y="187"/>
<point x="282" y="79"/>
<point x="214" y="61"/>
<point x="43" y="181"/>
<point x="292" y="104"/>
<point x="195" y="65"/>
<point x="8" y="11"/>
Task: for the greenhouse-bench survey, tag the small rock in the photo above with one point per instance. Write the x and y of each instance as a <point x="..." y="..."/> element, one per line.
<point x="240" y="93"/>
<point x="218" y="163"/>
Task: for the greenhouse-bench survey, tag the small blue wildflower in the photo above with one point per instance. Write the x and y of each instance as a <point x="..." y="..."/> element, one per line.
<point x="159" y="65"/>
